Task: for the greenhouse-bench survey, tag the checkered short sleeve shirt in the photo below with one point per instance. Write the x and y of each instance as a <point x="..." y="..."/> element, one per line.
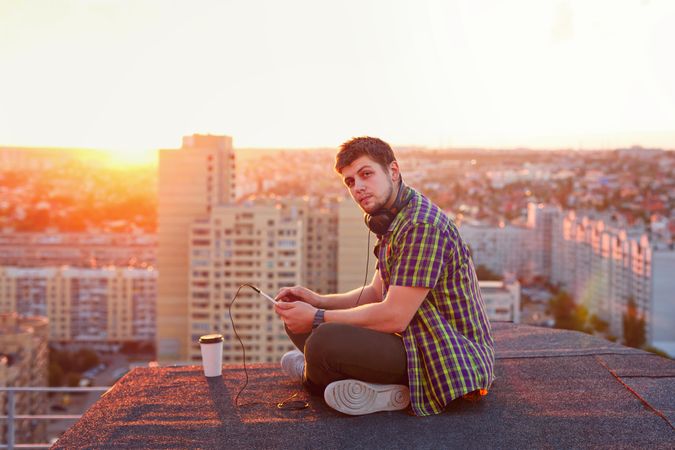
<point x="448" y="342"/>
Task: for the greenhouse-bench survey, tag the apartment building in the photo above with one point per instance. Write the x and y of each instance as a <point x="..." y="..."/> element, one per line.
<point x="602" y="264"/>
<point x="236" y="245"/>
<point x="77" y="249"/>
<point x="192" y="181"/>
<point x="321" y="243"/>
<point x="92" y="306"/>
<point x="271" y="243"/>
<point x="603" y="267"/>
<point x="319" y="221"/>
<point x="356" y="262"/>
<point x="544" y="221"/>
<point x="208" y="246"/>
<point x="663" y="289"/>
<point x="502" y="248"/>
<point x="24" y="359"/>
<point x="502" y="300"/>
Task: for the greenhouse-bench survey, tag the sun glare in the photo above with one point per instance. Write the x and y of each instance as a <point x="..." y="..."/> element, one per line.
<point x="122" y="158"/>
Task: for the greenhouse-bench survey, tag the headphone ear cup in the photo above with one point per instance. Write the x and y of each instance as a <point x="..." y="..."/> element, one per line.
<point x="379" y="222"/>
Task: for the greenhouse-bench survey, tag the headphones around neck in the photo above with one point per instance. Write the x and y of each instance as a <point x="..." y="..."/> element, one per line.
<point x="380" y="220"/>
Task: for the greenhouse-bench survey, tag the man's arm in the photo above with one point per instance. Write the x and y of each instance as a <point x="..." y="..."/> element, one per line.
<point x="416" y="270"/>
<point x="371" y="293"/>
<point x="389" y="316"/>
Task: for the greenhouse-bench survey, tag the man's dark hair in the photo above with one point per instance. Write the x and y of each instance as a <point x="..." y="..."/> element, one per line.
<point x="378" y="150"/>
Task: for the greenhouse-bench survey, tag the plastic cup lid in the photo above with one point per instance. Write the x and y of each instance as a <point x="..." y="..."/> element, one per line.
<point x="211" y="338"/>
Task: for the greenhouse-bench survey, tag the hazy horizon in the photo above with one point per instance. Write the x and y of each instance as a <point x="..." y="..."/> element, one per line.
<point x="153" y="155"/>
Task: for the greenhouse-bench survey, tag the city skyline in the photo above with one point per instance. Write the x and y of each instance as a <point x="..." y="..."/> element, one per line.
<point x="585" y="222"/>
<point x="135" y="78"/>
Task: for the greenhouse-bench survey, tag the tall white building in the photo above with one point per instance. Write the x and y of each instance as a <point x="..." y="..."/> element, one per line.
<point x="235" y="245"/>
<point x="544" y="220"/>
<point x="502" y="248"/>
<point x="663" y="294"/>
<point x="321" y="244"/>
<point x="208" y="246"/>
<point x="270" y="243"/>
<point x="603" y="267"/>
<point x="192" y="181"/>
<point x="356" y="261"/>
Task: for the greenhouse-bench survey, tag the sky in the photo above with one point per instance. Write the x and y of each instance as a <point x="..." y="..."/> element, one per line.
<point x="134" y="76"/>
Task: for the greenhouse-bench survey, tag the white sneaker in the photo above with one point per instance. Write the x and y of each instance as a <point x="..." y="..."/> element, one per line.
<point x="356" y="397"/>
<point x="293" y="364"/>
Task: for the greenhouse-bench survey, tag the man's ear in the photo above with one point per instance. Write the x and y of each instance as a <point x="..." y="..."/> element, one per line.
<point x="394" y="171"/>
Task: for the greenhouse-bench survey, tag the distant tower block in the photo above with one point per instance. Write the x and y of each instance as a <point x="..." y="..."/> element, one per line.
<point x="257" y="244"/>
<point x="192" y="180"/>
<point x="353" y="249"/>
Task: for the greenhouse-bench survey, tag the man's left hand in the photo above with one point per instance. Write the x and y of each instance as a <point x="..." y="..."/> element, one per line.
<point x="298" y="316"/>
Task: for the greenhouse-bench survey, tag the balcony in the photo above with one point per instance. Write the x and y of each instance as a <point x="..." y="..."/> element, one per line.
<point x="11" y="419"/>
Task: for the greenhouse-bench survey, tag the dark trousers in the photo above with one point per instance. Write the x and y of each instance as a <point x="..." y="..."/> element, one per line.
<point x="335" y="352"/>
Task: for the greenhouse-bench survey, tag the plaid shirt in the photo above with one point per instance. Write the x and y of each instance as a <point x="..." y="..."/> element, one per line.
<point x="448" y="342"/>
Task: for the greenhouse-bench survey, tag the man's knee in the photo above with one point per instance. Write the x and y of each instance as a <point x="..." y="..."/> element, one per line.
<point x="324" y="340"/>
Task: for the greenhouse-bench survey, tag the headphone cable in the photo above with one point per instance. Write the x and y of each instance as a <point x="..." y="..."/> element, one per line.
<point x="286" y="404"/>
<point x="365" y="279"/>
<point x="243" y="348"/>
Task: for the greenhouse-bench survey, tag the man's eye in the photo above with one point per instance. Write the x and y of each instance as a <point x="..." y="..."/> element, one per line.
<point x="366" y="174"/>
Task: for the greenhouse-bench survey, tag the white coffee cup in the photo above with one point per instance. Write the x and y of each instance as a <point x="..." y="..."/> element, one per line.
<point x="212" y="354"/>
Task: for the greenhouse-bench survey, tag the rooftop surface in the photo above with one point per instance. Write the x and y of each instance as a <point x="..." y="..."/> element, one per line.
<point x="554" y="389"/>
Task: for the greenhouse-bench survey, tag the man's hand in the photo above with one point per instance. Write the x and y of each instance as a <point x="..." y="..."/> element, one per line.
<point x="299" y="294"/>
<point x="298" y="316"/>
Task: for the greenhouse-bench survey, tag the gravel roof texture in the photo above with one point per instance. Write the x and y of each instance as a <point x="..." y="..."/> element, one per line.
<point x="553" y="389"/>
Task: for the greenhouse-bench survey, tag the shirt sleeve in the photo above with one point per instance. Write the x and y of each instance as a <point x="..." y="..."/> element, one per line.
<point x="418" y="258"/>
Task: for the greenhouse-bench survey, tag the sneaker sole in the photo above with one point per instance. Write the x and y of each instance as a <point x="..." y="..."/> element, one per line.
<point x="356" y="397"/>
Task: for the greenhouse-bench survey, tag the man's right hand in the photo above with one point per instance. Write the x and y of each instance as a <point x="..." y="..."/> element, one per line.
<point x="300" y="294"/>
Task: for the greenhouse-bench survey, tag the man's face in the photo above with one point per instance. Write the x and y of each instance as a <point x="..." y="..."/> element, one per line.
<point x="369" y="184"/>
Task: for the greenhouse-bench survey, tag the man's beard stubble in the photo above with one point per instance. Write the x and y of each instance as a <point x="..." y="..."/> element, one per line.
<point x="378" y="206"/>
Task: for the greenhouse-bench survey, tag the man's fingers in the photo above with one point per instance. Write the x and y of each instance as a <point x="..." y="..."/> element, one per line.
<point x="283" y="307"/>
<point x="285" y="294"/>
<point x="289" y="295"/>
